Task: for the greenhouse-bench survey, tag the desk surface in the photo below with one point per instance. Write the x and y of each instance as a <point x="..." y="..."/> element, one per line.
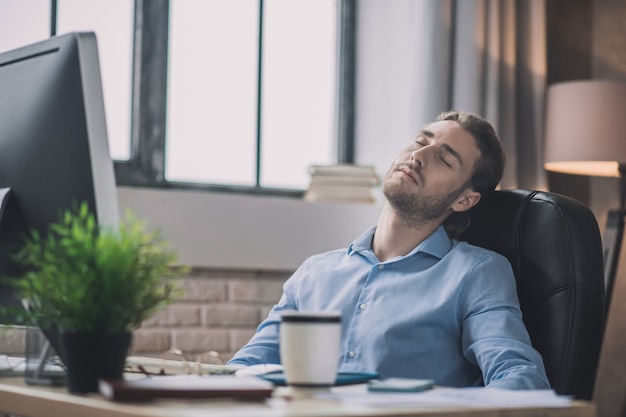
<point x="27" y="401"/>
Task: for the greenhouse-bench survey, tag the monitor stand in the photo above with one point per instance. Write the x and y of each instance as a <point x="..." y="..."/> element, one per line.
<point x="5" y="193"/>
<point x="43" y="364"/>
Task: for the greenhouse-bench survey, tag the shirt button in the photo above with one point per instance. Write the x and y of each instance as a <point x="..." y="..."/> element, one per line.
<point x="363" y="306"/>
<point x="352" y="354"/>
<point x="381" y="266"/>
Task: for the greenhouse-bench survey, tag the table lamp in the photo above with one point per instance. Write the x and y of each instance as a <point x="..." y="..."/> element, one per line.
<point x="586" y="135"/>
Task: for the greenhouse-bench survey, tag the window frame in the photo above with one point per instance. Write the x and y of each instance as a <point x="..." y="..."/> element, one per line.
<point x="146" y="166"/>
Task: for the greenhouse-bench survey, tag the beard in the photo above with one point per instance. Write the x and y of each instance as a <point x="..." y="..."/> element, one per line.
<point x="417" y="209"/>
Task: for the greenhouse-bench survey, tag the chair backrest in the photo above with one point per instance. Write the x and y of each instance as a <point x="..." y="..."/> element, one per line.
<point x="554" y="245"/>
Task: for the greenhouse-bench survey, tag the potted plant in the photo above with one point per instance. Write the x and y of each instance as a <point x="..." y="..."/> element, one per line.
<point x="91" y="286"/>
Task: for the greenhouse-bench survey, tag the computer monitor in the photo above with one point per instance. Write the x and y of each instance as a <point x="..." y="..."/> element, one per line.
<point x="53" y="142"/>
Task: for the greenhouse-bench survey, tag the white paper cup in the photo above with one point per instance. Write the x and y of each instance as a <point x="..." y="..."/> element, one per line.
<point x="310" y="342"/>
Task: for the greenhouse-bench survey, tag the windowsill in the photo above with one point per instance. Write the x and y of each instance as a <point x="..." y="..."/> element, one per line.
<point x="232" y="230"/>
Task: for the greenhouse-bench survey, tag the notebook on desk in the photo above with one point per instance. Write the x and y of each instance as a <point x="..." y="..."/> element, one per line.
<point x="186" y="386"/>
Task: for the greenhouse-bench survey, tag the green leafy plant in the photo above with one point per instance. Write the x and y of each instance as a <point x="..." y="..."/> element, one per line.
<point x="85" y="278"/>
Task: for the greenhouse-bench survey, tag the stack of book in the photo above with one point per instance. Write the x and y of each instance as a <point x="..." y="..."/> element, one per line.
<point x="342" y="183"/>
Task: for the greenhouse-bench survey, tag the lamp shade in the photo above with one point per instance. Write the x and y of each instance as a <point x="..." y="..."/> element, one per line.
<point x="586" y="128"/>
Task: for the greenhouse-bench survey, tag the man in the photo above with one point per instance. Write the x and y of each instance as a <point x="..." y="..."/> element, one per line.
<point x="414" y="302"/>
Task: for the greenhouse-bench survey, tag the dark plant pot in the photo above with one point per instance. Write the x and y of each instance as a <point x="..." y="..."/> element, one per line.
<point x="89" y="357"/>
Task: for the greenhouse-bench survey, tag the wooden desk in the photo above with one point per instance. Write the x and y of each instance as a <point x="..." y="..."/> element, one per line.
<point x="26" y="401"/>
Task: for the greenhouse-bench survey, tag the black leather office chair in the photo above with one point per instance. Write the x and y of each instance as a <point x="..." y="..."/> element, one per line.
<point x="554" y="245"/>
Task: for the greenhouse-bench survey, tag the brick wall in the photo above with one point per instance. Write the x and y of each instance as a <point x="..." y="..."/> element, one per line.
<point x="220" y="310"/>
<point x="12" y="341"/>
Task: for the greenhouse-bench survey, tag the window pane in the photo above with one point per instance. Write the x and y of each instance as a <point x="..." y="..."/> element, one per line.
<point x="23" y="22"/>
<point x="298" y="89"/>
<point x="212" y="84"/>
<point x="112" y="21"/>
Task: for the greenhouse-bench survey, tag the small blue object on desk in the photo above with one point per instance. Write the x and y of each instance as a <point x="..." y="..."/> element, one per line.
<point x="343" y="378"/>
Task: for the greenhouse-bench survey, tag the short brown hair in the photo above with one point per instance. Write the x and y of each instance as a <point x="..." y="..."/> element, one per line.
<point x="489" y="168"/>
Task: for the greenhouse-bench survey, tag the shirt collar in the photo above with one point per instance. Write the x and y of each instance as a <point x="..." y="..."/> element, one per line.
<point x="437" y="244"/>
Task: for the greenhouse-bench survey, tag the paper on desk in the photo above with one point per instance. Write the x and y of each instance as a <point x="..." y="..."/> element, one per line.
<point x="450" y="397"/>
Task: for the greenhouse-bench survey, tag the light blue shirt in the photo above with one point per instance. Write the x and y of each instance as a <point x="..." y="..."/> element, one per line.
<point x="447" y="311"/>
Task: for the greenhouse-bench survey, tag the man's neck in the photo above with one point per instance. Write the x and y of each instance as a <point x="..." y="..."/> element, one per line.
<point x="394" y="237"/>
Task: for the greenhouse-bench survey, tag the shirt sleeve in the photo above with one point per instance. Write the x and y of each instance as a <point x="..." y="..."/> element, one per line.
<point x="494" y="335"/>
<point x="263" y="347"/>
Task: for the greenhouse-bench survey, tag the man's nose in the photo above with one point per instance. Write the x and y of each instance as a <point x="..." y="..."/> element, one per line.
<point x="418" y="157"/>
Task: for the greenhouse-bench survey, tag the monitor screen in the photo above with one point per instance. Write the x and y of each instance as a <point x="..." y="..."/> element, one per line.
<point x="53" y="142"/>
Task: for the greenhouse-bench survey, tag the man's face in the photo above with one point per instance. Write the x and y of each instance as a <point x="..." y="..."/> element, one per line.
<point x="429" y="178"/>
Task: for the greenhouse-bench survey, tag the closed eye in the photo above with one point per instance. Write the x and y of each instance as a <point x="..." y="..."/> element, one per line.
<point x="446" y="162"/>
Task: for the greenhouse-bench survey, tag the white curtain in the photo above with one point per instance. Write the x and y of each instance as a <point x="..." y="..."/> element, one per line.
<point x="417" y="58"/>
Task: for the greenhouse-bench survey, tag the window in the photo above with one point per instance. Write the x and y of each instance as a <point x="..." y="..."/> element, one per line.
<point x="213" y="94"/>
<point x="215" y="122"/>
<point x="112" y="21"/>
<point x="211" y="120"/>
<point x="23" y="22"/>
<point x="298" y="90"/>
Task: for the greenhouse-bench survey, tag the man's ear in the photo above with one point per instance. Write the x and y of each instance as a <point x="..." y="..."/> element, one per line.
<point x="468" y="199"/>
